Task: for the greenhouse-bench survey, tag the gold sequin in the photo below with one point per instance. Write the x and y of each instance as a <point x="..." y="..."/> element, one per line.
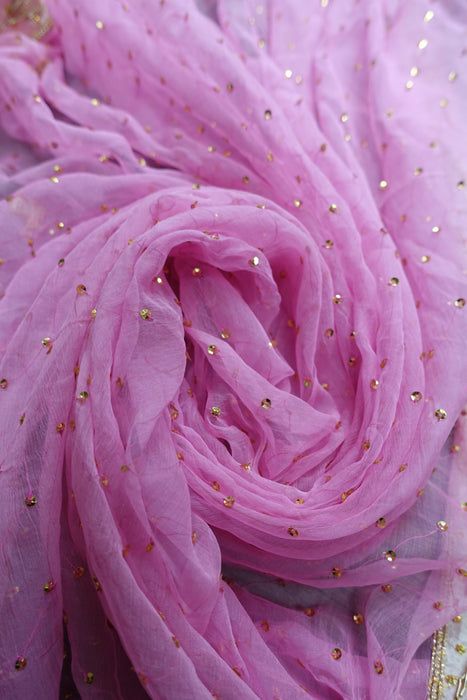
<point x="230" y="87"/>
<point x="336" y="654"/>
<point x="254" y="261"/>
<point x="329" y="333"/>
<point x="461" y="185"/>
<point x="414" y="71"/>
<point x="22" y="417"/>
<point x="89" y="678"/>
<point x="215" y="411"/>
<point x="438" y="605"/>
<point x="54" y="180"/>
<point x="333" y="208"/>
<point x="358" y="619"/>
<point x="460" y="303"/>
<point x="229" y="501"/>
<point x="99" y="24"/>
<point x="379" y="668"/>
<point x="337" y="299"/>
<point x="46" y="342"/>
<point x="458" y="618"/>
<point x="366" y="444"/>
<point x="309" y="612"/>
<point x="381" y="522"/>
<point x="246" y="466"/>
<point x="462" y="572"/>
<point x="383" y="184"/>
<point x="460" y="648"/>
<point x="307" y="382"/>
<point x="78" y="572"/>
<point x="49" y="586"/>
<point x="442" y="525"/>
<point x="394" y="281"/>
<point x="196" y="272"/>
<point x="336" y="572"/>
<point x="429" y="16"/>
<point x="425" y="258"/>
<point x="299" y="501"/>
<point x="225" y="334"/>
<point x="344" y="117"/>
<point x="266" y="403"/>
<point x="440" y="414"/>
<point x="30" y="501"/>
<point x="390" y="555"/>
<point x="60" y="428"/>
<point x="329" y="243"/>
<point x="3" y="383"/>
<point x="386" y="588"/>
<point x="409" y="84"/>
<point x="352" y="361"/>
<point x="416" y="396"/>
<point x="288" y="73"/>
<point x="212" y="349"/>
<point x="245" y="179"/>
<point x="97" y="584"/>
<point x="82" y="396"/>
<point x="81" y="289"/>
<point x="215" y="485"/>
<point x="292" y="532"/>
<point x="145" y="314"/>
<point x="20" y="663"/>
<point x="150" y="546"/>
<point x="422" y="44"/>
<point x="297" y="203"/>
<point x="374" y="384"/>
<point x="268" y="114"/>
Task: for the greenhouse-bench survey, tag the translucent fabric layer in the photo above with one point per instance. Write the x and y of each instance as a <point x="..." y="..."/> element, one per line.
<point x="232" y="348"/>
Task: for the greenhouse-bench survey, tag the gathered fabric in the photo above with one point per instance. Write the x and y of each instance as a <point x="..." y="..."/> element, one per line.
<point x="232" y="348"/>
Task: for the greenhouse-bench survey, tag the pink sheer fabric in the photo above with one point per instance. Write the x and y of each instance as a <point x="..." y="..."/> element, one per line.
<point x="232" y="336"/>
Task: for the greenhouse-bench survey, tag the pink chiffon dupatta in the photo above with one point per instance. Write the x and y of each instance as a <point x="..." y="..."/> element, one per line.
<point x="232" y="348"/>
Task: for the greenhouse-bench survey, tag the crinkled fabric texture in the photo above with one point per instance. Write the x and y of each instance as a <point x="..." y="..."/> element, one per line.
<point x="232" y="336"/>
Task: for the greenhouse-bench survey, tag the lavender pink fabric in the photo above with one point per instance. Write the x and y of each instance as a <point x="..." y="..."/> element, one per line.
<point x="232" y="341"/>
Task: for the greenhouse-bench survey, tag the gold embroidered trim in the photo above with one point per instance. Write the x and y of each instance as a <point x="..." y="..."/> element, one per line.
<point x="461" y="687"/>
<point x="438" y="655"/>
